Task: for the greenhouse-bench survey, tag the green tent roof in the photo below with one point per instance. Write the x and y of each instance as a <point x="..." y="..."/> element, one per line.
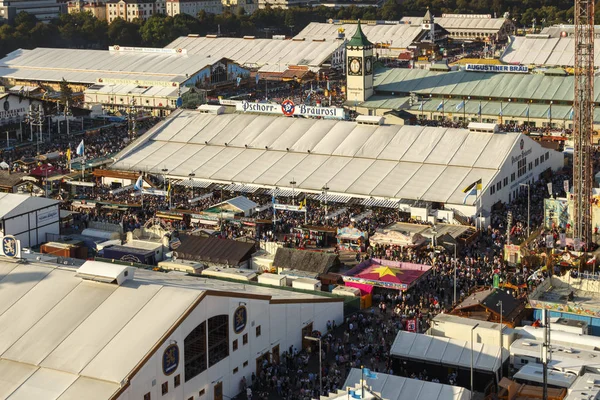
<point x="359" y="38"/>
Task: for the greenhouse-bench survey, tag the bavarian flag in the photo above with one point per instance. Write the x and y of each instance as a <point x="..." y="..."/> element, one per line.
<point x="302" y="204"/>
<point x="475" y="185"/>
<point x="69" y="154"/>
<point x="472" y="189"/>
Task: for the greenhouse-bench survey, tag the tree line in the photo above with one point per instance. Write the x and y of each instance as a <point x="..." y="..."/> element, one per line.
<point x="82" y="30"/>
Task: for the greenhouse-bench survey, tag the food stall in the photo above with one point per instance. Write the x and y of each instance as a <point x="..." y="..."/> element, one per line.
<point x="351" y="239"/>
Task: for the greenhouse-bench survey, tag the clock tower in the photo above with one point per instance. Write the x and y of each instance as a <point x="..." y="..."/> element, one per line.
<point x="359" y="67"/>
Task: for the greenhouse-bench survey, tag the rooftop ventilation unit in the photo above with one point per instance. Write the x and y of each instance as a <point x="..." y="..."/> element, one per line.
<point x="370" y="120"/>
<point x="482" y="127"/>
<point x="99" y="271"/>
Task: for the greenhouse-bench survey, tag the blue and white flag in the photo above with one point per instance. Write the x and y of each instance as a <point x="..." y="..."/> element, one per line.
<point x="460" y="105"/>
<point x="479" y="110"/>
<point x="257" y="77"/>
<point x="139" y="183"/>
<point x="369" y="374"/>
<point x="440" y="106"/>
<point x="328" y="85"/>
<point x="572" y="114"/>
<point x="80" y="149"/>
<point x="500" y="114"/>
<point x="421" y="106"/>
<point x="239" y="80"/>
<point x="527" y="111"/>
<point x="354" y="395"/>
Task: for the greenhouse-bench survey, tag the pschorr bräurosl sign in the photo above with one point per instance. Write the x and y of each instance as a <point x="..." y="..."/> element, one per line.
<point x="515" y="69"/>
<point x="288" y="108"/>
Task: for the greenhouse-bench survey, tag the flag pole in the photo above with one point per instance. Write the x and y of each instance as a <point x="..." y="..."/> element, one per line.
<point x="362" y="381"/>
<point x="83" y="167"/>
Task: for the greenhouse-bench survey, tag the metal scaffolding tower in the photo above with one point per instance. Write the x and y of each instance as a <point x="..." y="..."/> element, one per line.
<point x="583" y="106"/>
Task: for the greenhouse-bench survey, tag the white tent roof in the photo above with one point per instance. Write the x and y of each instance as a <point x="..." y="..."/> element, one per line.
<point x="400" y="35"/>
<point x="259" y="53"/>
<point x="444" y="351"/>
<point x="544" y="50"/>
<point x="68" y="338"/>
<point x="16" y="204"/>
<point x="387" y="161"/>
<point x="86" y="66"/>
<point x="392" y="387"/>
<point x="241" y="203"/>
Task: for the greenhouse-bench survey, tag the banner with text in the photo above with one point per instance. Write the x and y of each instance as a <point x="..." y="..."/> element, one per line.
<point x="515" y="69"/>
<point x="288" y="108"/>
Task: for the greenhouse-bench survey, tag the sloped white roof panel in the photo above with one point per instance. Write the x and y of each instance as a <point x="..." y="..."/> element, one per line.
<point x="303" y="169"/>
<point x="369" y="179"/>
<point x="96" y="331"/>
<point x="495" y="152"/>
<point x="447" y="184"/>
<point x="349" y="174"/>
<point x="399" y="145"/>
<point x="16" y="284"/>
<point x="313" y="135"/>
<point x="289" y="137"/>
<point x="377" y="142"/>
<point x="44" y="384"/>
<point x="216" y="132"/>
<point x="334" y="138"/>
<point x="325" y="174"/>
<point x="272" y="132"/>
<point x="237" y="165"/>
<point x="420" y="182"/>
<point x="259" y="166"/>
<point x="280" y="169"/>
<point x="12" y="375"/>
<point x="193" y="163"/>
<point x="470" y="149"/>
<point x="37" y="343"/>
<point x="19" y="318"/>
<point x="447" y="146"/>
<point x="6" y="268"/>
<point x="156" y="161"/>
<point x="354" y="141"/>
<point x="395" y="180"/>
<point x="213" y="165"/>
<point x="120" y="355"/>
<point x="89" y="389"/>
<point x="179" y="160"/>
<point x="252" y="127"/>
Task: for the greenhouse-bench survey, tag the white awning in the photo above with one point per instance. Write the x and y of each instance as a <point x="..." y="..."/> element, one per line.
<point x="334" y="198"/>
<point x="234" y="187"/>
<point x="195" y="183"/>
<point x="380" y="203"/>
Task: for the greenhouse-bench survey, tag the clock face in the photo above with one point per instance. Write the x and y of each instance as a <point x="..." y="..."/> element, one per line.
<point x="368" y="65"/>
<point x="355" y="66"/>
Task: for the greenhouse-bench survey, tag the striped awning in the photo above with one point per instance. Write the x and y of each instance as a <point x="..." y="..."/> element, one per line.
<point x="334" y="198"/>
<point x="234" y="187"/>
<point x="380" y="203"/>
<point x="195" y="183"/>
<point x="284" y="192"/>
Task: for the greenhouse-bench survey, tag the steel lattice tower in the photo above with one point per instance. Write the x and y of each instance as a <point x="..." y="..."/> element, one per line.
<point x="583" y="107"/>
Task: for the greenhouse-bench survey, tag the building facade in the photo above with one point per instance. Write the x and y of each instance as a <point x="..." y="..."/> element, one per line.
<point x="98" y="10"/>
<point x="130" y="10"/>
<point x="43" y="10"/>
<point x="193" y="7"/>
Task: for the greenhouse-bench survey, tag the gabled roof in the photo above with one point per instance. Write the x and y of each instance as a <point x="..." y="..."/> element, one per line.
<point x="490" y="299"/>
<point x="16" y="204"/>
<point x="213" y="250"/>
<point x="393" y="161"/>
<point x="304" y="260"/>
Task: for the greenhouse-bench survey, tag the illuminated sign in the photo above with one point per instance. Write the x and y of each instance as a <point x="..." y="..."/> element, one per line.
<point x="515" y="69"/>
<point x="126" y="49"/>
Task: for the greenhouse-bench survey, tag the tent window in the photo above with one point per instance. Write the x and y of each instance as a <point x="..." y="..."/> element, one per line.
<point x="218" y="338"/>
<point x="195" y="352"/>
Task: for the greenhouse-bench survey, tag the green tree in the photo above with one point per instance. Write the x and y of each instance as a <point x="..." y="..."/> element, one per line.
<point x="124" y="33"/>
<point x="66" y="93"/>
<point x="390" y="10"/>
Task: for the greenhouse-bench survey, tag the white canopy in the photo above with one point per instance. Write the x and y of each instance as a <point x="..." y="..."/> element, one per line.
<point x="444" y="351"/>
